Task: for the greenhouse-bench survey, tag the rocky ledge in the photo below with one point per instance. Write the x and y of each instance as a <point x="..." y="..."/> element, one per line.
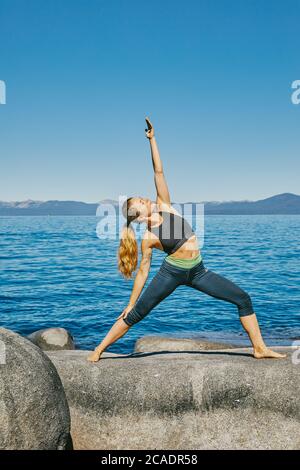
<point x="216" y="399"/>
<point x="162" y="343"/>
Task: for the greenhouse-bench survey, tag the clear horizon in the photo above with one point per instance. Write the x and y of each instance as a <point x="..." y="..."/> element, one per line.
<point x="214" y="77"/>
<point x="104" y="199"/>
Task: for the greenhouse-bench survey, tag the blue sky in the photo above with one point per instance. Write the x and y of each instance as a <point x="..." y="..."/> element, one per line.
<point x="214" y="76"/>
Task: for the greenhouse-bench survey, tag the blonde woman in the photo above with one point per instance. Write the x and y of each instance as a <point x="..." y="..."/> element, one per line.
<point x="183" y="265"/>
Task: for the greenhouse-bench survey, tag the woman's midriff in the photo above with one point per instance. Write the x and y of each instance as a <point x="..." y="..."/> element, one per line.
<point x="189" y="250"/>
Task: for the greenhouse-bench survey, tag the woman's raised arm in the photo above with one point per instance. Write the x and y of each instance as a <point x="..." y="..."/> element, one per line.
<point x="159" y="177"/>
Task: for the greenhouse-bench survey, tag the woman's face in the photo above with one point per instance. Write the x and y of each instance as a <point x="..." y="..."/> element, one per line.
<point x="143" y="205"/>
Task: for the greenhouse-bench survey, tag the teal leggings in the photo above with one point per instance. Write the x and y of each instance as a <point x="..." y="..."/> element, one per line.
<point x="169" y="277"/>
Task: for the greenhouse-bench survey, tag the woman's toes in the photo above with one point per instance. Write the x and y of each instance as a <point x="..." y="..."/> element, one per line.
<point x="268" y="353"/>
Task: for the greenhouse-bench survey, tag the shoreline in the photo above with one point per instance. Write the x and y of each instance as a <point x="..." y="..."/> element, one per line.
<point x="209" y="338"/>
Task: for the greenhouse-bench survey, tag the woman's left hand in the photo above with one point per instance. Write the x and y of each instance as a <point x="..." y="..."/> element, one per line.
<point x="150" y="130"/>
<point x="125" y="311"/>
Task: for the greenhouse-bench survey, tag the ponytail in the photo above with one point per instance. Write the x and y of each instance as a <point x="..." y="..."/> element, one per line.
<point x="128" y="250"/>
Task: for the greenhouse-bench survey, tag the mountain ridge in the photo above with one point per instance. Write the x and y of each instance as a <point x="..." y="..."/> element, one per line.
<point x="284" y="203"/>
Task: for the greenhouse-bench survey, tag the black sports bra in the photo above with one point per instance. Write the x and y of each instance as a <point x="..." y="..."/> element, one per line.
<point x="173" y="232"/>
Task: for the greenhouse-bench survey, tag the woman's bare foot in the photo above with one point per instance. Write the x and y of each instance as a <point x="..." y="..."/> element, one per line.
<point x="94" y="356"/>
<point x="267" y="353"/>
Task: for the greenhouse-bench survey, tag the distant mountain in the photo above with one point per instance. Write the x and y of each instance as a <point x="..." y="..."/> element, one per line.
<point x="286" y="203"/>
<point x="30" y="207"/>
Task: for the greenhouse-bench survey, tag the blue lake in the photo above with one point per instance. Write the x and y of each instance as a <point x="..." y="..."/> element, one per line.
<point x="55" y="271"/>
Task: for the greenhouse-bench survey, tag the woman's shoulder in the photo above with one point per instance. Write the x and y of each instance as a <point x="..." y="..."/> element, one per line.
<point x="164" y="207"/>
<point x="149" y="240"/>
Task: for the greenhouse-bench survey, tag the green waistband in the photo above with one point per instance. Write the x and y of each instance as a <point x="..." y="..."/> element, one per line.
<point x="183" y="263"/>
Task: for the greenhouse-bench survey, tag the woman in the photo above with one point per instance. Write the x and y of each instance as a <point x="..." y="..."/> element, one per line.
<point x="182" y="265"/>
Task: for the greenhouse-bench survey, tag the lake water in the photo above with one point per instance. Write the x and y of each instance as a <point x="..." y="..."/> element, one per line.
<point x="55" y="271"/>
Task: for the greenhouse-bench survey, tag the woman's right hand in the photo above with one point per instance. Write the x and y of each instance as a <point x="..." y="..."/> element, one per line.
<point x="125" y="311"/>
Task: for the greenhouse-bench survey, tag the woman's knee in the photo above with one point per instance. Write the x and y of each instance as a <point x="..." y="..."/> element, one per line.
<point x="135" y="315"/>
<point x="245" y="306"/>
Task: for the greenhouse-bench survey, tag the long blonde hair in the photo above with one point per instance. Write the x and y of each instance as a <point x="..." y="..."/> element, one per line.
<point x="128" y="248"/>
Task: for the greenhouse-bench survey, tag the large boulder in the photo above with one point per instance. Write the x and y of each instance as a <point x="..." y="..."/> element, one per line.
<point x="34" y="412"/>
<point x="222" y="399"/>
<point x="167" y="343"/>
<point x="50" y="339"/>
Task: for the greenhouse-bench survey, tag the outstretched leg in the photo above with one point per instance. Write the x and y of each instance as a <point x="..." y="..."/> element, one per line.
<point x="222" y="288"/>
<point x="116" y="332"/>
<point x="260" y="350"/>
<point x="162" y="285"/>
